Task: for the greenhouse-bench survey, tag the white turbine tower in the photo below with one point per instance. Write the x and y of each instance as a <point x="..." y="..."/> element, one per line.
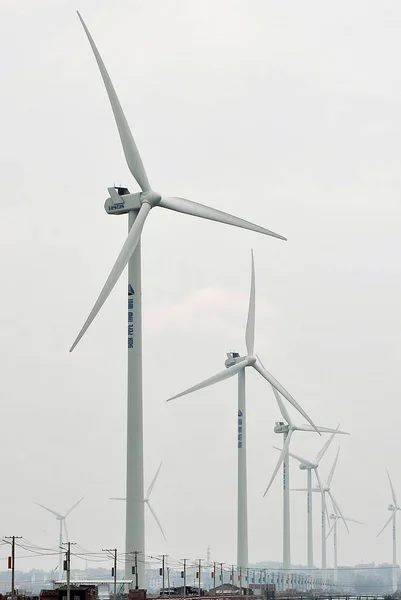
<point x="236" y="365"/>
<point x="146" y="501"/>
<point x="287" y="428"/>
<point x="308" y="466"/>
<point x="335" y="517"/>
<point x="62" y="520"/>
<point x="138" y="206"/>
<point x="393" y="508"/>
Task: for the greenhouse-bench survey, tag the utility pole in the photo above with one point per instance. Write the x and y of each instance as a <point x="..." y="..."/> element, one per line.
<point x="221" y="573"/>
<point x="114" y="569"/>
<point x="164" y="556"/>
<point x="135" y="568"/>
<point x="67" y="567"/>
<point x="232" y="574"/>
<point x="199" y="573"/>
<point x="168" y="580"/>
<point x="184" y="576"/>
<point x="12" y="565"/>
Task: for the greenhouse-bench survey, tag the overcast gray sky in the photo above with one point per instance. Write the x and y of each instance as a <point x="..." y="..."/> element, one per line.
<point x="285" y="113"/>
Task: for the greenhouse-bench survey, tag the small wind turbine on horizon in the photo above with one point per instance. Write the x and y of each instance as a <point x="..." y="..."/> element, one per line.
<point x="236" y="365"/>
<point x="324" y="490"/>
<point x="62" y="519"/>
<point x="287" y="428"/>
<point x="308" y="466"/>
<point x="147" y="501"/>
<point x="335" y="517"/>
<point x="138" y="206"/>
<point x="393" y="508"/>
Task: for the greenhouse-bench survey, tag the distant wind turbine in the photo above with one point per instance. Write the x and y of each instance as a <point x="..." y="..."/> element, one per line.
<point x="393" y="508"/>
<point x="308" y="466"/>
<point x="335" y="517"/>
<point x="236" y="365"/>
<point x="147" y="501"/>
<point x="324" y="490"/>
<point x="287" y="429"/>
<point x="62" y="519"/>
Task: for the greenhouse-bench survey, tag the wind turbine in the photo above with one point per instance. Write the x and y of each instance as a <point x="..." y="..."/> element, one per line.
<point x="62" y="519"/>
<point x="236" y="365"/>
<point x="308" y="466"/>
<point x="335" y="517"/>
<point x="393" y="508"/>
<point x="287" y="428"/>
<point x="324" y="490"/>
<point x="138" y="206"/>
<point x="147" y="501"/>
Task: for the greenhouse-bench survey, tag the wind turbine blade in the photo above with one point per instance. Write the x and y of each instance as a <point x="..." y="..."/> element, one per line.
<point x="126" y="252"/>
<point x="338" y="509"/>
<point x="302" y="490"/>
<point x="324" y="449"/>
<point x="319" y="480"/>
<point x="118" y="499"/>
<point x="306" y="427"/>
<point x="132" y="156"/>
<point x="282" y="407"/>
<point x="50" y="510"/>
<point x="392" y="489"/>
<point x="353" y="521"/>
<point x="301" y="460"/>
<point x="331" y="528"/>
<point x="260" y="368"/>
<point x="230" y="372"/>
<point x="150" y="488"/>
<point x="250" y="325"/>
<point x="188" y="207"/>
<point x="66" y="530"/>
<point x="387" y="522"/>
<point x="280" y="460"/>
<point x="73" y="506"/>
<point x="155" y="517"/>
<point x="333" y="468"/>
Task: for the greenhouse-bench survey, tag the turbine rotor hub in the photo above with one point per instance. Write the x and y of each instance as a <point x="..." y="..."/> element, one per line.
<point x="150" y="197"/>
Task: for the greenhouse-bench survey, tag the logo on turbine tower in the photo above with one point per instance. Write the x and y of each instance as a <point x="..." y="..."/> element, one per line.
<point x="130" y="290"/>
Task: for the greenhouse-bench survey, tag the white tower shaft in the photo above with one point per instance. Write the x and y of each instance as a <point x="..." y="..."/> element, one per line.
<point x="395" y="582"/>
<point x="286" y="511"/>
<point x="324" y="560"/>
<point x="60" y="563"/>
<point x="135" y="514"/>
<point x="335" y="551"/>
<point x="309" y="524"/>
<point x="242" y="508"/>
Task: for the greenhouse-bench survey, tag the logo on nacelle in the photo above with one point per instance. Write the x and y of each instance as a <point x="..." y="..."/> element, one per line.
<point x="121" y="201"/>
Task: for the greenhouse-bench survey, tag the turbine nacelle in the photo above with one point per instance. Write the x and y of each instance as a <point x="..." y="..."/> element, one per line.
<point x="393" y="508"/>
<point x="281" y="427"/>
<point x="121" y="201"/>
<point x="307" y="467"/>
<point x="232" y="359"/>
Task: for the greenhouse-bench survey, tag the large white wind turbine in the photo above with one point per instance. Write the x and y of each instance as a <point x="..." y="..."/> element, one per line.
<point x="309" y="466"/>
<point x="335" y="517"/>
<point x="62" y="520"/>
<point x="236" y="365"/>
<point x="147" y="501"/>
<point x="138" y="206"/>
<point x="287" y="428"/>
<point x="393" y="508"/>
